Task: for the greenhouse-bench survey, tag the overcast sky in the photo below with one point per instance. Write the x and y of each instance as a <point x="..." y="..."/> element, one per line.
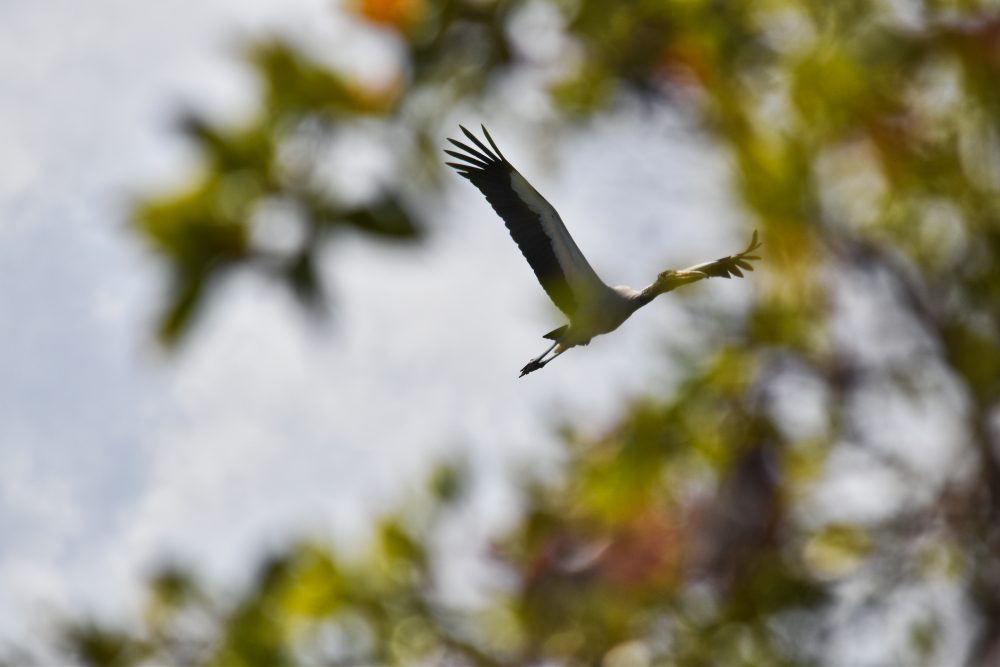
<point x="113" y="457"/>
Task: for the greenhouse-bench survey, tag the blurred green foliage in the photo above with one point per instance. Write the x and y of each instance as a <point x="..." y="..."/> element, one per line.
<point x="865" y="141"/>
<point x="209" y="227"/>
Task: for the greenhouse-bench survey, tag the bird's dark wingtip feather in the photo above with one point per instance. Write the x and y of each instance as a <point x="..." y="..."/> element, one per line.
<point x="492" y="143"/>
<point x="471" y="151"/>
<point x="463" y="169"/>
<point x="466" y="158"/>
<point x="477" y="142"/>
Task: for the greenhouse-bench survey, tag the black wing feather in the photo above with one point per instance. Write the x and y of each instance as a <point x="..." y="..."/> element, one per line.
<point x="726" y="267"/>
<point x="491" y="174"/>
<point x="492" y="143"/>
<point x="473" y="151"/>
<point x="477" y="142"/>
<point x="468" y="159"/>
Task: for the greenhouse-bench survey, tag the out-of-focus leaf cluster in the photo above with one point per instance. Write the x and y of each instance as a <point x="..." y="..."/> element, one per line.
<point x="247" y="182"/>
<point x="865" y="136"/>
<point x="253" y="177"/>
<point x="303" y="606"/>
<point x="592" y="587"/>
<point x="865" y="140"/>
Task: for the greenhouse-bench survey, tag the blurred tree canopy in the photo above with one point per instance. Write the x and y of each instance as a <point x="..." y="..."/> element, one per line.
<point x="865" y="139"/>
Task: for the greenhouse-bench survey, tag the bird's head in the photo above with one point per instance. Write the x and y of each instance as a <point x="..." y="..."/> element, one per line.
<point x="663" y="282"/>
<point x="671" y="280"/>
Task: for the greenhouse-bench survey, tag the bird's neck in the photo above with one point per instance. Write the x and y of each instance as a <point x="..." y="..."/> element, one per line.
<point x="647" y="295"/>
<point x="667" y="281"/>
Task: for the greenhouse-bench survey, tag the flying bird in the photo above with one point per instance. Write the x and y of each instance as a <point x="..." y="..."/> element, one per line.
<point x="593" y="308"/>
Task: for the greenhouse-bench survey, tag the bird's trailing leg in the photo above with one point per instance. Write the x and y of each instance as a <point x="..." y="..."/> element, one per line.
<point x="537" y="362"/>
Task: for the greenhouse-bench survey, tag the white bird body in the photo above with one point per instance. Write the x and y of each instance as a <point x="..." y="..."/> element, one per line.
<point x="603" y="311"/>
<point x="593" y="307"/>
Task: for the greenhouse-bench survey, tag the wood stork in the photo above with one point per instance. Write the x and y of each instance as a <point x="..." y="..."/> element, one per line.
<point x="592" y="307"/>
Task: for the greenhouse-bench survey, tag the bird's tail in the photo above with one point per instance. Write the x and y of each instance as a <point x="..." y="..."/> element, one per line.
<point x="556" y="334"/>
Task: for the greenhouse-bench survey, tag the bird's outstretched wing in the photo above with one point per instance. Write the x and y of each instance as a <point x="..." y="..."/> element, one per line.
<point x="728" y="266"/>
<point x="534" y="225"/>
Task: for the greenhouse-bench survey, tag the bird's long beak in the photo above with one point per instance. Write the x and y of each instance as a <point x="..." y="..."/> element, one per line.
<point x="671" y="280"/>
